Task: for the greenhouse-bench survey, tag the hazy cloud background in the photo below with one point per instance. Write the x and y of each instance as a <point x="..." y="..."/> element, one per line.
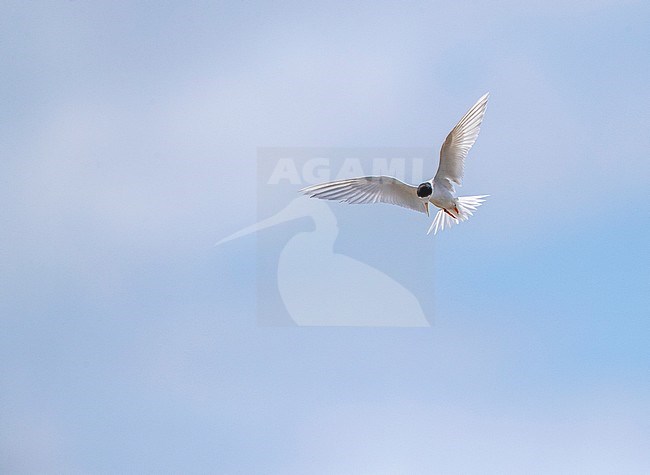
<point x="128" y="146"/>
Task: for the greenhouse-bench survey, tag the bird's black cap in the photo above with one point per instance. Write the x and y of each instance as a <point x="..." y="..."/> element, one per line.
<point x="425" y="190"/>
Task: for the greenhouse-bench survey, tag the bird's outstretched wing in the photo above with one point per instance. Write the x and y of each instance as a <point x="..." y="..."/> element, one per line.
<point x="368" y="189"/>
<point x="457" y="144"/>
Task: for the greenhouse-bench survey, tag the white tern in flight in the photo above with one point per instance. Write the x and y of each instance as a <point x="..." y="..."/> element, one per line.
<point x="439" y="190"/>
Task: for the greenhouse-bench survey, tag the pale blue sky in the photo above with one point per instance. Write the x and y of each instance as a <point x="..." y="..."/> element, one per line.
<point x="129" y="344"/>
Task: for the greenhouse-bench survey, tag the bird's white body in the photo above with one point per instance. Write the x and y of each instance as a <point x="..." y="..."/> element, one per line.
<point x="438" y="191"/>
<point x="442" y="197"/>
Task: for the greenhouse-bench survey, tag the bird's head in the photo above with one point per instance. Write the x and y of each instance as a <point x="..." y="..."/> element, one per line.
<point x="424" y="192"/>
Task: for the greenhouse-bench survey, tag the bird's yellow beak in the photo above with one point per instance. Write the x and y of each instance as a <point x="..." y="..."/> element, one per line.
<point x="426" y="207"/>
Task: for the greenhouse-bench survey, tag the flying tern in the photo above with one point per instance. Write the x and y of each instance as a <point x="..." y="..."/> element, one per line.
<point x="439" y="190"/>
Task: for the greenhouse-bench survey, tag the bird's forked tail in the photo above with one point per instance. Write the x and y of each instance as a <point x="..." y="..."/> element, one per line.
<point x="466" y="206"/>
